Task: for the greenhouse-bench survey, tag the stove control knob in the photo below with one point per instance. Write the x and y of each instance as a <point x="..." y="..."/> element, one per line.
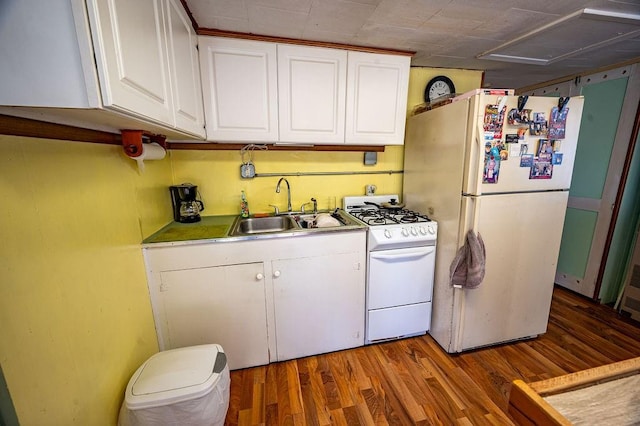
<point x="423" y="231"/>
<point x="405" y="232"/>
<point x="387" y="233"/>
<point x="431" y="230"/>
<point x="414" y="231"/>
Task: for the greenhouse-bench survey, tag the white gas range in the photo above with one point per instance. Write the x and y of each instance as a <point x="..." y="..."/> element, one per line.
<point x="400" y="269"/>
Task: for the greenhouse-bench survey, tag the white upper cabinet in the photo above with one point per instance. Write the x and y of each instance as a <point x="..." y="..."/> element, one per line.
<point x="41" y="67"/>
<point x="147" y="60"/>
<point x="311" y="94"/>
<point x="131" y="55"/>
<point x="376" y="98"/>
<point x="109" y="63"/>
<point x="184" y="66"/>
<point x="268" y="92"/>
<point x="239" y="82"/>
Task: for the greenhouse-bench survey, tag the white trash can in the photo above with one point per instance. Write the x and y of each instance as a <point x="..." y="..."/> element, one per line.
<point x="184" y="386"/>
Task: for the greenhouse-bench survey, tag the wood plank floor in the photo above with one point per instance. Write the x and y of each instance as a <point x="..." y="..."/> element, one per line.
<point x="413" y="381"/>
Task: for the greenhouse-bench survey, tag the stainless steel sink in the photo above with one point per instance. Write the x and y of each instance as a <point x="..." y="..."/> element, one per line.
<point x="262" y="225"/>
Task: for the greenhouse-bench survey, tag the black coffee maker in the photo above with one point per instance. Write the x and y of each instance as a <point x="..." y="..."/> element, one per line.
<point x="186" y="206"/>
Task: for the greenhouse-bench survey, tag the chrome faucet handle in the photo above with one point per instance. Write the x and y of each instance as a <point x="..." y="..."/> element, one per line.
<point x="315" y="205"/>
<point x="277" y="210"/>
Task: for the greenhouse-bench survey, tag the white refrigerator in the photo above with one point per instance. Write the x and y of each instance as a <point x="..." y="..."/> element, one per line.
<point x="517" y="205"/>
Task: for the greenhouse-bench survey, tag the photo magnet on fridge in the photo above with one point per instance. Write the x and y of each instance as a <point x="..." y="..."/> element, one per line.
<point x="556" y="159"/>
<point x="502" y="150"/>
<point x="512" y="138"/>
<point x="541" y="170"/>
<point x="526" y="160"/>
<point x="539" y="124"/>
<point x="545" y="149"/>
<point x="514" y="150"/>
<point x="516" y="116"/>
<point x="558" y="122"/>
<point x="494" y="119"/>
<point x="521" y="132"/>
<point x="491" y="163"/>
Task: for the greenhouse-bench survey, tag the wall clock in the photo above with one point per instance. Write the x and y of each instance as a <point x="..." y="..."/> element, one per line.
<point x="437" y="87"/>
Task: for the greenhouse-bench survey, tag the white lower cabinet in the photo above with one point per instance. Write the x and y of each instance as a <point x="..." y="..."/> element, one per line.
<point x="319" y="304"/>
<point x="202" y="306"/>
<point x="263" y="300"/>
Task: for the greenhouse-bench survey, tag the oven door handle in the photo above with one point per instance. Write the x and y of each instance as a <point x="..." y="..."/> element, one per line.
<point x="405" y="255"/>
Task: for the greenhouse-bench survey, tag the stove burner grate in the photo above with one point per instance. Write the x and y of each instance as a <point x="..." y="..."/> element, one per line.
<point x="388" y="216"/>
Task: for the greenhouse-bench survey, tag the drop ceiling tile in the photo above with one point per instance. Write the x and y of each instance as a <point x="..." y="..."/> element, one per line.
<point x="227" y="24"/>
<point x="339" y="16"/>
<point x="473" y="11"/>
<point x="466" y="46"/>
<point x="380" y="32"/>
<point x="406" y="13"/>
<point x="207" y="10"/>
<point x="369" y="2"/>
<point x="290" y="5"/>
<point x="268" y="20"/>
<point x="442" y="23"/>
<point x="312" y="33"/>
<point x="444" y="33"/>
<point x="578" y="34"/>
<point x="514" y="22"/>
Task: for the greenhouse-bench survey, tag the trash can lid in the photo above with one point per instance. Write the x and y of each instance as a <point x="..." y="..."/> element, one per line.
<point x="175" y="375"/>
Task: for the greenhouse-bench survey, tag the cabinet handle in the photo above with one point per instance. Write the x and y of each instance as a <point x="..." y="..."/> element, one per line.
<point x="259" y="277"/>
<point x="276" y="274"/>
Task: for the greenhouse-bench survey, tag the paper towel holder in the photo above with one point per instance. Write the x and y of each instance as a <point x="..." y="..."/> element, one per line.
<point x="132" y="141"/>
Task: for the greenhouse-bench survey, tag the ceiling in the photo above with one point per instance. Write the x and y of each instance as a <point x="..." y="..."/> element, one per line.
<point x="450" y="33"/>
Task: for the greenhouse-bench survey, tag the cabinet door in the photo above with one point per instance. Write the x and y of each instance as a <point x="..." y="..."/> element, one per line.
<point x="184" y="67"/>
<point x="377" y="88"/>
<point x="131" y="56"/>
<point x="319" y="304"/>
<point x="311" y="94"/>
<point x="223" y="304"/>
<point x="239" y="85"/>
<point x="47" y="60"/>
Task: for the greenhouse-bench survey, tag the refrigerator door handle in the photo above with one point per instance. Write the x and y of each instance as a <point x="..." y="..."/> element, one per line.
<point x="470" y="217"/>
<point x="475" y="162"/>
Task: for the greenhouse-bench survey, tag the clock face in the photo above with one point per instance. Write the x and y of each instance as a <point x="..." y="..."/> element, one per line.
<point x="438" y="86"/>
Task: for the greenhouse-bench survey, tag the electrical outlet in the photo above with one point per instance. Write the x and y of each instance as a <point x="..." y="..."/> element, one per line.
<point x="247" y="171"/>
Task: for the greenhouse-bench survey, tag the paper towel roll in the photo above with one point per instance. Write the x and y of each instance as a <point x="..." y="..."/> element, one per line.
<point x="150" y="151"/>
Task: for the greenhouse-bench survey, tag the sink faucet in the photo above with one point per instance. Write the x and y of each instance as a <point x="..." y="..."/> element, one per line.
<point x="288" y="192"/>
<point x="315" y="206"/>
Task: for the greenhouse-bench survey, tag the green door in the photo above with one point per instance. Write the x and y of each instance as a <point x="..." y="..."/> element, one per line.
<point x="602" y="145"/>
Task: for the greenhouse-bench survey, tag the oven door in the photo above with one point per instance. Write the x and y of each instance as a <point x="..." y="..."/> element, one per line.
<point x="400" y="276"/>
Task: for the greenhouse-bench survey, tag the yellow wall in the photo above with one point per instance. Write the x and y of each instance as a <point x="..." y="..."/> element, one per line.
<point x="217" y="173"/>
<point x="464" y="80"/>
<point x="75" y="316"/>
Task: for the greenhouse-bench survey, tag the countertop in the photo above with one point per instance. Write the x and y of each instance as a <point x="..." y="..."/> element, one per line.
<point x="217" y="228"/>
<point x="209" y="228"/>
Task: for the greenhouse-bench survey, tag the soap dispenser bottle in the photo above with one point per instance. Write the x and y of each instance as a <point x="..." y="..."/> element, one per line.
<point x="244" y="206"/>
